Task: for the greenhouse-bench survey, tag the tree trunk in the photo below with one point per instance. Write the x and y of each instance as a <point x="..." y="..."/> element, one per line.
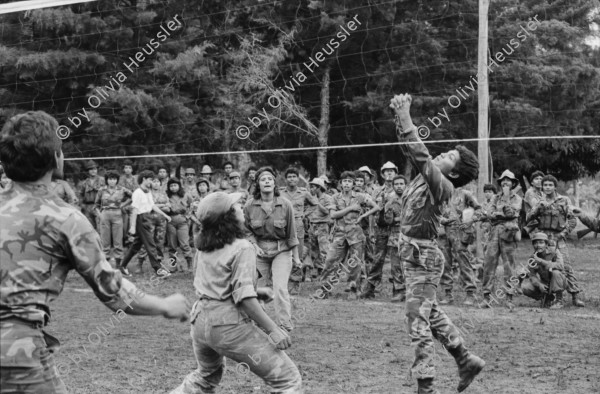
<point x="323" y="124"/>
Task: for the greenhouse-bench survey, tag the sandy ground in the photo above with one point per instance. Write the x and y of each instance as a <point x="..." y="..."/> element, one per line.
<point x="342" y="346"/>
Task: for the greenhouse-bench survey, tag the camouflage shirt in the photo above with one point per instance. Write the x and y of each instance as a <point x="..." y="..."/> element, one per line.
<point x="346" y="226"/>
<point x="42" y="239"/>
<point x="298" y="198"/>
<point x="422" y="200"/>
<point x="128" y="182"/>
<point x="112" y="198"/>
<point x="532" y="197"/>
<point x="552" y="214"/>
<point x="505" y="211"/>
<point x="64" y="191"/>
<point x="89" y="189"/>
<point x="392" y="215"/>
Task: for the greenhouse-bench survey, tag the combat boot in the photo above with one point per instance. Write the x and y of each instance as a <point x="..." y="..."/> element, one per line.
<point x="398" y="296"/>
<point x="368" y="291"/>
<point x="557" y="303"/>
<point x="425" y="386"/>
<point x="576" y="301"/>
<point x="470" y="300"/>
<point x="469" y="366"/>
<point x="509" y="302"/>
<point x="448" y="299"/>
<point x="190" y="263"/>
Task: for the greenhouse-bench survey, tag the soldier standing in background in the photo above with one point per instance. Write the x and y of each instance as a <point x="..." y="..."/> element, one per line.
<point x="178" y="231"/>
<point x="251" y="180"/>
<point x="206" y="173"/>
<point x="298" y="196"/>
<point x="110" y="203"/>
<point x="377" y="251"/>
<point x="320" y="220"/>
<point x="158" y="223"/>
<point x="189" y="184"/>
<point x="348" y="236"/>
<point x="227" y="169"/>
<point x="88" y="192"/>
<point x="163" y="177"/>
<point x="553" y="216"/>
<point x="489" y="191"/>
<point x="533" y="195"/>
<point x="64" y="191"/>
<point x="504" y="235"/>
<point x="389" y="226"/>
<point x="459" y="236"/>
<point x="422" y="259"/>
<point x="235" y="186"/>
<point x="129" y="182"/>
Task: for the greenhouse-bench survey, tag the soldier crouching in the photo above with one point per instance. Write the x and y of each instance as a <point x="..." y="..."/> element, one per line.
<point x="545" y="280"/>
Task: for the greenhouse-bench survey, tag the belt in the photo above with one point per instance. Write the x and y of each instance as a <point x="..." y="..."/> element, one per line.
<point x="405" y="238"/>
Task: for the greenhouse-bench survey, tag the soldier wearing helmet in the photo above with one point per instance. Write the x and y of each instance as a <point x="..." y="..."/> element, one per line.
<point x="554" y="217"/>
<point x="544" y="277"/>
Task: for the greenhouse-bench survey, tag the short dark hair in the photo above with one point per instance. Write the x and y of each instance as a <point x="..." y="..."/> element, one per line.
<point x="128" y="162"/>
<point x="467" y="168"/>
<point x="202" y="180"/>
<point x="145" y="175"/>
<point x="550" y="178"/>
<point x="360" y="174"/>
<point x="220" y="231"/>
<point x="228" y="162"/>
<point x="291" y="170"/>
<point x="180" y="192"/>
<point x="535" y="175"/>
<point x="400" y="177"/>
<point x="490" y="187"/>
<point x="28" y="144"/>
<point x="251" y="168"/>
<point x="348" y="175"/>
<point x="111" y="175"/>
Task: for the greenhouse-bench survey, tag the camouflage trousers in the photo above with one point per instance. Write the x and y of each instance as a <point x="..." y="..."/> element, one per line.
<point x="159" y="231"/>
<point x="497" y="247"/>
<point x="458" y="251"/>
<point x="556" y="242"/>
<point x="218" y="331"/>
<point x="296" y="275"/>
<point x="382" y="249"/>
<point x="89" y="211"/>
<point x="557" y="283"/>
<point x="338" y="251"/>
<point x="369" y="253"/>
<point x="319" y="243"/>
<point x="27" y="359"/>
<point x="423" y="264"/>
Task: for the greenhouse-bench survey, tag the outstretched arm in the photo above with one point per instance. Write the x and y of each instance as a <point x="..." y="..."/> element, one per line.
<point x="415" y="150"/>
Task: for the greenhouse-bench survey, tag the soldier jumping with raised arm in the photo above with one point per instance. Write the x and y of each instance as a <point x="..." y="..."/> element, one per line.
<point x="423" y="261"/>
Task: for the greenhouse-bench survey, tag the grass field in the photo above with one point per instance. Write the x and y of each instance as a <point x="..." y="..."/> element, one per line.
<point x="342" y="346"/>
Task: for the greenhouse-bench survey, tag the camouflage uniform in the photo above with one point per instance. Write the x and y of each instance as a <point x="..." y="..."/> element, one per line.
<point x="178" y="231"/>
<point x="64" y="191"/>
<point x="348" y="238"/>
<point x="486" y="226"/>
<point x="555" y="279"/>
<point x="459" y="241"/>
<point x="129" y="183"/>
<point x="387" y="222"/>
<point x="531" y="199"/>
<point x="298" y="198"/>
<point x="319" y="231"/>
<point x="220" y="327"/>
<point x="370" y="230"/>
<point x="159" y="225"/>
<point x="388" y="230"/>
<point x="108" y="203"/>
<point x="43" y="238"/>
<point x="555" y="219"/>
<point x="504" y="216"/>
<point x="423" y="261"/>
<point x="89" y="190"/>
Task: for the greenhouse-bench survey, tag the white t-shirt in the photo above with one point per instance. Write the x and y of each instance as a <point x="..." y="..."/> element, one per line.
<point x="141" y="201"/>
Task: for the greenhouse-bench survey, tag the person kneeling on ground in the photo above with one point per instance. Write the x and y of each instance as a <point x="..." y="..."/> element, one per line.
<point x="545" y="278"/>
<point x="228" y="306"/>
